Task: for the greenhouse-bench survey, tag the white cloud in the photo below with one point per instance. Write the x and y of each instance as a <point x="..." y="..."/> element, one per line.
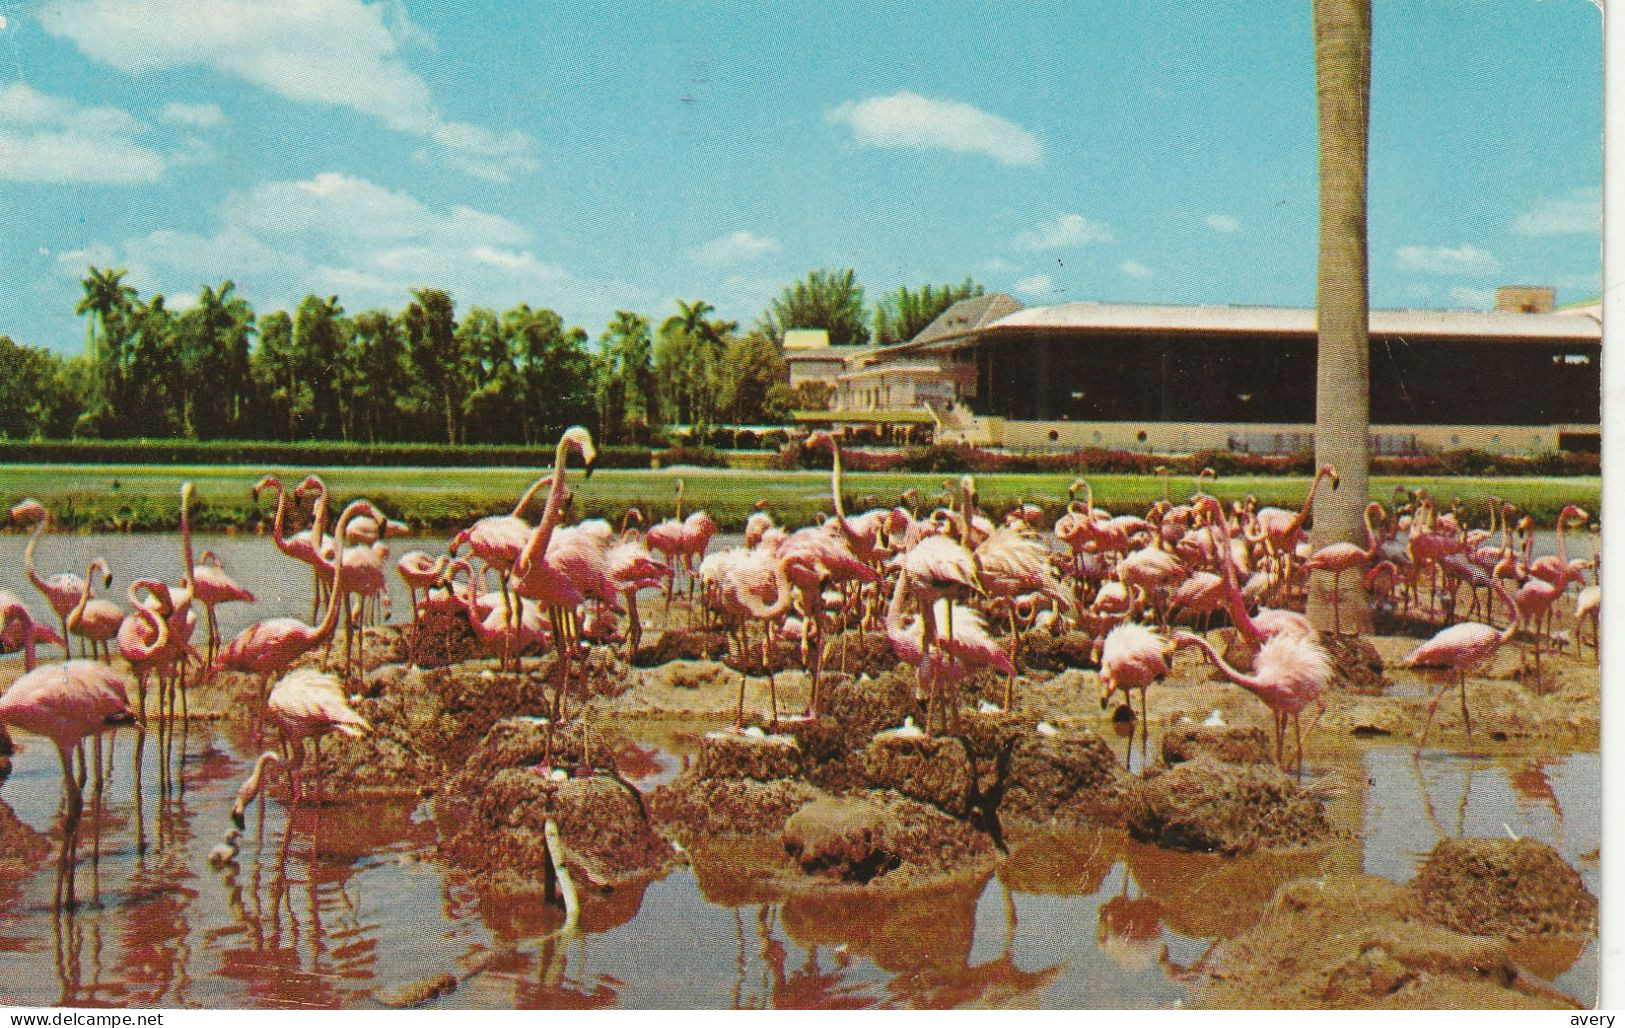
<point x="1034" y="285"/>
<point x="1473" y="299"/>
<point x="339" y="53"/>
<point x="1134" y="269"/>
<point x="200" y="116"/>
<point x="337" y="233"/>
<point x="909" y="120"/>
<point x="51" y="139"/>
<point x="1066" y="230"/>
<point x="734" y="248"/>
<point x="1466" y="259"/>
<point x="1579" y="213"/>
<point x="1221" y="223"/>
<point x="996" y="265"/>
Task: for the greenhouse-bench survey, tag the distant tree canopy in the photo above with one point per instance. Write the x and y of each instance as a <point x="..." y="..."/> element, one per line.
<point x="831" y="300"/>
<point x="900" y="316"/>
<point x="425" y="373"/>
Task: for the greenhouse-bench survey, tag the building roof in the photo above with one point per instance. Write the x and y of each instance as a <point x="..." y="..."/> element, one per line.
<point x="1114" y="317"/>
<point x="961" y="319"/>
<point x="916" y="368"/>
<point x="828" y="353"/>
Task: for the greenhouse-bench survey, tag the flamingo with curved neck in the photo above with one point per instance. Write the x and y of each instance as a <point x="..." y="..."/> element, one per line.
<point x="1289" y="674"/>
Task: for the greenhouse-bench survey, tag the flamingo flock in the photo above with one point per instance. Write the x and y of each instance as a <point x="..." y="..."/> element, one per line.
<point x="960" y="597"/>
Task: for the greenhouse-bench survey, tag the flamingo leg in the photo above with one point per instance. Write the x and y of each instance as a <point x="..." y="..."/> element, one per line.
<point x="1466" y="718"/>
<point x="1433" y="708"/>
<point x="63" y="895"/>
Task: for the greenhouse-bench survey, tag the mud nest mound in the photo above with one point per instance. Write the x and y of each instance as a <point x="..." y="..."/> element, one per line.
<point x="1360" y="942"/>
<point x="1356" y="665"/>
<point x="762" y="758"/>
<point x="607" y="838"/>
<point x="1505" y="887"/>
<point x="863" y="706"/>
<point x="1043" y="652"/>
<point x="692" y="807"/>
<point x="930" y="769"/>
<point x="451" y="709"/>
<point x="1207" y="806"/>
<point x="1069" y="774"/>
<point x="861" y="653"/>
<point x="682" y="644"/>
<point x="1228" y="745"/>
<point x="863" y="837"/>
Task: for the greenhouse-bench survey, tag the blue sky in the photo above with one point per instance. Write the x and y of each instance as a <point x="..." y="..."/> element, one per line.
<point x="618" y="156"/>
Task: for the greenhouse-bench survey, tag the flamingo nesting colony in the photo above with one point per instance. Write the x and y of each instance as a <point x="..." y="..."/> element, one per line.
<point x="954" y="593"/>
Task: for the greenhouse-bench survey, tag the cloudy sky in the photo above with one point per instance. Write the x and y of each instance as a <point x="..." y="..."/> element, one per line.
<point x="600" y="157"/>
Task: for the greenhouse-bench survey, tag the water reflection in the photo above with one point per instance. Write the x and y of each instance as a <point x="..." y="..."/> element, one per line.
<point x="324" y="907"/>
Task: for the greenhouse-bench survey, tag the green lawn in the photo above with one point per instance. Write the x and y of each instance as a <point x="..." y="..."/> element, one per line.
<point x="144" y="497"/>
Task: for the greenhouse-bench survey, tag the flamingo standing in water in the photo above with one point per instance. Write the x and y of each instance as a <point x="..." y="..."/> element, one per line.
<point x="1133" y="657"/>
<point x="211" y="586"/>
<point x="14" y="633"/>
<point x="269" y="647"/>
<point x="1464" y="647"/>
<point x="95" y="621"/>
<point x="420" y="571"/>
<point x="67" y="702"/>
<point x="1289" y="673"/>
<point x="60" y="591"/>
<point x="305" y="704"/>
<point x="305" y="546"/>
<point x="143" y="636"/>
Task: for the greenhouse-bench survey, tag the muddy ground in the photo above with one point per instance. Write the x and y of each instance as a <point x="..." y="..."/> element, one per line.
<point x="859" y="802"/>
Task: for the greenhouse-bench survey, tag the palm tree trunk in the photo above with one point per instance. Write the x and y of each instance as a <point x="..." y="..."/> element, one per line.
<point x="1342" y="381"/>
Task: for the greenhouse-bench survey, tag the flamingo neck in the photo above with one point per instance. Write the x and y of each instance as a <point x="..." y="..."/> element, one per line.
<point x="536" y="545"/>
<point x="1308" y="502"/>
<point x="1251" y="683"/>
<point x="160" y="636"/>
<point x="330" y="619"/>
<point x="530" y="494"/>
<point x="28" y="555"/>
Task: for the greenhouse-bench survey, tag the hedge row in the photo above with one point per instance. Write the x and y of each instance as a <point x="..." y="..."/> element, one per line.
<point x="322" y="454"/>
<point x="941" y="459"/>
<point x="938" y="459"/>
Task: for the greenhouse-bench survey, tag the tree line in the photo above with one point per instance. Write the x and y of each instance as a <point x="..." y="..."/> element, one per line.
<point x="219" y="370"/>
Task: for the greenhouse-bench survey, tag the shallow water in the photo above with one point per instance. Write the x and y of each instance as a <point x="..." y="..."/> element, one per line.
<point x="1079" y="919"/>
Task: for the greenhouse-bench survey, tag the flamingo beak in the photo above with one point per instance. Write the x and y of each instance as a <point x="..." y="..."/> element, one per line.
<point x="107" y="579"/>
<point x="590" y="465"/>
<point x="1337" y="480"/>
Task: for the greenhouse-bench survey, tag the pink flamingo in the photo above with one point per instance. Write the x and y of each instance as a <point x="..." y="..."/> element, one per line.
<point x="305" y="704"/>
<point x="67" y="702"/>
<point x="506" y="635"/>
<point x="498" y="540"/>
<point x="211" y="586"/>
<point x="420" y="572"/>
<point x="305" y="546"/>
<point x="1461" y="648"/>
<point x="15" y="633"/>
<point x="143" y="636"/>
<point x="1280" y="530"/>
<point x="1556" y="569"/>
<point x="535" y="576"/>
<point x="1133" y="657"/>
<point x="1289" y="673"/>
<point x="940" y="663"/>
<point x="682" y="540"/>
<point x="753" y="584"/>
<point x="61" y="591"/>
<point x="1267" y="623"/>
<point x="95" y="621"/>
<point x="631" y="567"/>
<point x="269" y="647"/>
<point x="1011" y="562"/>
<point x="1340" y="557"/>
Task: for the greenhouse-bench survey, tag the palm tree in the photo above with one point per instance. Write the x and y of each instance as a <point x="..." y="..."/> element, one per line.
<point x="106" y="298"/>
<point x="1342" y="381"/>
